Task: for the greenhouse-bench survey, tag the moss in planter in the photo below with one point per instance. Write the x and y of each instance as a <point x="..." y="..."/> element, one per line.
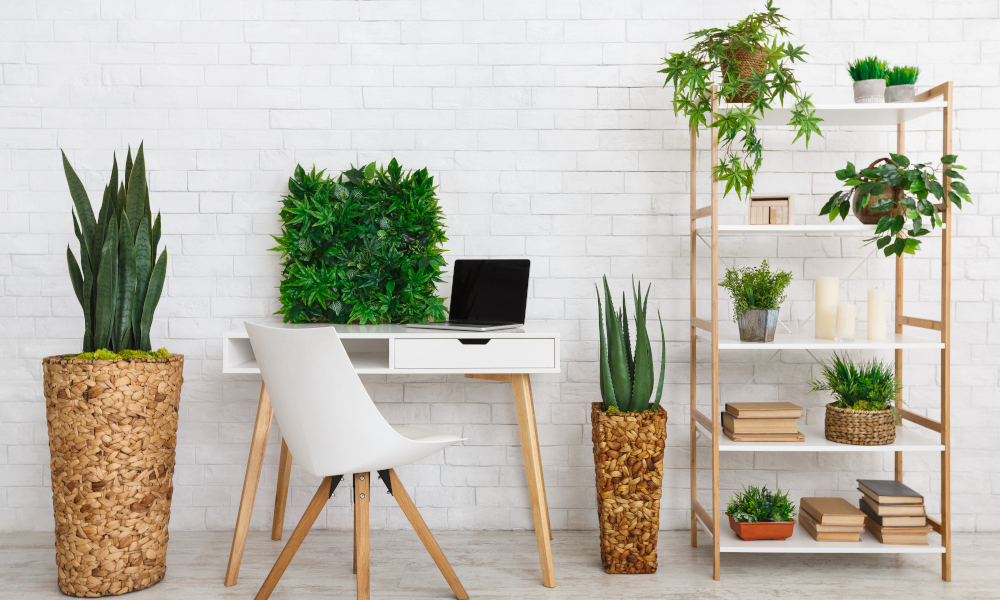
<point x="103" y="354"/>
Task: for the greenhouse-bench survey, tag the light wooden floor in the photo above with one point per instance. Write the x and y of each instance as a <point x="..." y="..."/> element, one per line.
<point x="504" y="564"/>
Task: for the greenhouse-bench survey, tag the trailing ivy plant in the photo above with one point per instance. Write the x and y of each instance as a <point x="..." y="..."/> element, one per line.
<point x="716" y="58"/>
<point x="364" y="247"/>
<point x="917" y="183"/>
<point x="759" y="505"/>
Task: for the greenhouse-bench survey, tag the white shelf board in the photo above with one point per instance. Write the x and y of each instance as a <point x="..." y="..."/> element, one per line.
<point x="803" y="543"/>
<point x="906" y="441"/>
<point x="854" y="115"/>
<point x="832" y="229"/>
<point x="799" y="341"/>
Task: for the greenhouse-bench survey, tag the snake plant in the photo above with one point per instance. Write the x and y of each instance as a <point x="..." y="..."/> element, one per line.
<point x="627" y="378"/>
<point x="118" y="285"/>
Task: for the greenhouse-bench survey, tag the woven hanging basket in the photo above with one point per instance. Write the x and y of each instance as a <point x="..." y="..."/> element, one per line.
<point x="747" y="63"/>
<point x="112" y="434"/>
<point x="628" y="463"/>
<point x="871" y="217"/>
<point x="860" y="427"/>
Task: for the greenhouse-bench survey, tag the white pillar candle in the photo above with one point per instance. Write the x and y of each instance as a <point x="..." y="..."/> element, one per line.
<point x="827" y="290"/>
<point x="876" y="314"/>
<point x="847" y="321"/>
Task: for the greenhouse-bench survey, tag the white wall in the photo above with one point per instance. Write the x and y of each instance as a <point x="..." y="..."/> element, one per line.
<point x="547" y="128"/>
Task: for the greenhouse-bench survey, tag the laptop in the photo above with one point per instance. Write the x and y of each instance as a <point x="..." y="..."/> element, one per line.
<point x="486" y="295"/>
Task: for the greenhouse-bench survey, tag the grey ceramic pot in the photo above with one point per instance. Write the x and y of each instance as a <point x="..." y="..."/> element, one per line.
<point x="758" y="325"/>
<point x="900" y="93"/>
<point x="869" y="91"/>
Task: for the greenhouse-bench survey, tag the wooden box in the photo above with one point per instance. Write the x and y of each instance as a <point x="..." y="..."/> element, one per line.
<point x="772" y="210"/>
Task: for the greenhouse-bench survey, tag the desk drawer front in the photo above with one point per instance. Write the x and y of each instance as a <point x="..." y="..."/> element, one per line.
<point x="497" y="353"/>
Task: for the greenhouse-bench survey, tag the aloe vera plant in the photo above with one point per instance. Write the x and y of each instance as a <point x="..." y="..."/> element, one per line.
<point x="116" y="281"/>
<point x="627" y="378"/>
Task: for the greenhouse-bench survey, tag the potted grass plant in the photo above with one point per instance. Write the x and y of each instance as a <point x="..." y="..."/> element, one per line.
<point x="753" y="72"/>
<point x="863" y="412"/>
<point x="757" y="295"/>
<point x="892" y="191"/>
<point x="629" y="435"/>
<point x="755" y="513"/>
<point x="112" y="411"/>
<point x="869" y="80"/>
<point x="901" y="84"/>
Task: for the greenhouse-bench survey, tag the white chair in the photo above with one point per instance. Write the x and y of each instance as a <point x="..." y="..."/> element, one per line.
<point x="333" y="429"/>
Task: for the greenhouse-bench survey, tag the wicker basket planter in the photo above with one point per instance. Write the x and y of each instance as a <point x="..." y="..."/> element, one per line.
<point x="112" y="433"/>
<point x="748" y="63"/>
<point x="628" y="463"/>
<point x="860" y="427"/>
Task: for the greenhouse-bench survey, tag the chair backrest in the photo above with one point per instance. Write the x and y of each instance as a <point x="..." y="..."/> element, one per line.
<point x="326" y="416"/>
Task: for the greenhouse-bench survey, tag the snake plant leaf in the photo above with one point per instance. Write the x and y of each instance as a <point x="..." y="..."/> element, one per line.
<point x="88" y="224"/>
<point x="128" y="166"/>
<point x="126" y="281"/>
<point x="155" y="239"/>
<point x="151" y="300"/>
<point x="104" y="313"/>
<point x="616" y="353"/>
<point x="143" y="269"/>
<point x="135" y="195"/>
<point x="104" y="217"/>
<point x="607" y="391"/>
<point x="642" y="385"/>
<point x="663" y="363"/>
<point x="75" y="276"/>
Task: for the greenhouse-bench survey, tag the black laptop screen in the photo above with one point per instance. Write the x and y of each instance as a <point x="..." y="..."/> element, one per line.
<point x="490" y="290"/>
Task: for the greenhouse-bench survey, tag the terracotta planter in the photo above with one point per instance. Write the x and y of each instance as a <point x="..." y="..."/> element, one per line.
<point x="112" y="433"/>
<point x="869" y="91"/>
<point x="767" y="530"/>
<point x="859" y="427"/>
<point x="758" y="325"/>
<point x="628" y="464"/>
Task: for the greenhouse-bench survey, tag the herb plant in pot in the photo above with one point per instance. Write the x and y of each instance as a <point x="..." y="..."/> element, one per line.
<point x="869" y="80"/>
<point x="759" y="514"/>
<point x="901" y="84"/>
<point x="112" y="411"/>
<point x="757" y="295"/>
<point x="863" y="412"/>
<point x="629" y="434"/>
<point x="753" y="70"/>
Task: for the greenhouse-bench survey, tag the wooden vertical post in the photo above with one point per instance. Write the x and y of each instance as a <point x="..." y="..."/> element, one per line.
<point x="946" y="339"/>
<point x="900" y="149"/>
<point x="714" y="285"/>
<point x="361" y="495"/>
<point x="281" y="494"/>
<point x="694" y="335"/>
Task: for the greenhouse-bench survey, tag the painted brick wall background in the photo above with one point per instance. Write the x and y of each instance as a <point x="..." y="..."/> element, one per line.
<point x="545" y="123"/>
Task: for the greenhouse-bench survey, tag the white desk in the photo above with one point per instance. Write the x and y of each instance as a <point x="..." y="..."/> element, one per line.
<point x="510" y="356"/>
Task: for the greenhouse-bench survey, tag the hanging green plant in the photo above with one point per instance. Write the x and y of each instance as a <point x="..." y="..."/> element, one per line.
<point x="364" y="247"/>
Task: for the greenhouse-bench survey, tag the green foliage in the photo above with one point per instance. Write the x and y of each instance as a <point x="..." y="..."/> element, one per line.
<point x="865" y="385"/>
<point x="627" y="379"/>
<point x="869" y="67"/>
<point x="755" y="287"/>
<point x="758" y="505"/>
<point x="917" y="183"/>
<point x="364" y="247"/>
<point x="714" y="57"/>
<point x="116" y="282"/>
<point x="104" y="354"/>
<point x="902" y="76"/>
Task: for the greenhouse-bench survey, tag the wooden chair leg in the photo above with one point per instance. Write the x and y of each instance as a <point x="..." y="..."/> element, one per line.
<point x="403" y="499"/>
<point x="295" y="540"/>
<point x="355" y="571"/>
<point x="281" y="496"/>
<point x="361" y="533"/>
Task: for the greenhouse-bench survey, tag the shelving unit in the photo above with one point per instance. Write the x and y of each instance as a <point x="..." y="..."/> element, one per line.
<point x="707" y="331"/>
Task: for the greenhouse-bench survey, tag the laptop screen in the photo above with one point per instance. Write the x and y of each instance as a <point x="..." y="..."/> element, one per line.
<point x="490" y="290"/>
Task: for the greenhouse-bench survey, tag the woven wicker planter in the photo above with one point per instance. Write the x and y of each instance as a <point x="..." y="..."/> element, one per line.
<point x="112" y="434"/>
<point x="871" y="217"/>
<point x="748" y="63"/>
<point x="860" y="427"/>
<point x="628" y="462"/>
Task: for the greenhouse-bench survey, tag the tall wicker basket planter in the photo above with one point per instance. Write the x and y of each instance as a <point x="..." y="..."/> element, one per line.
<point x="860" y="427"/>
<point x="628" y="462"/>
<point x="112" y="434"/>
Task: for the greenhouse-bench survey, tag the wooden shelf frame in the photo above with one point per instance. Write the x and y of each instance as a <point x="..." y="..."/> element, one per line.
<point x="705" y="330"/>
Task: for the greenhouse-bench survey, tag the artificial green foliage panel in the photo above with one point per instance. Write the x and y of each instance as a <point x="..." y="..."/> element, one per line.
<point x="364" y="247"/>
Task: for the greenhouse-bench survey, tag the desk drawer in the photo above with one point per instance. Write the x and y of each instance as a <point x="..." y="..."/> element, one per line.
<point x="496" y="353"/>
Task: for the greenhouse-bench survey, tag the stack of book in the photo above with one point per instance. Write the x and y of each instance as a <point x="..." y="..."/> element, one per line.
<point x="762" y="422"/>
<point x="831" y="519"/>
<point x="894" y="513"/>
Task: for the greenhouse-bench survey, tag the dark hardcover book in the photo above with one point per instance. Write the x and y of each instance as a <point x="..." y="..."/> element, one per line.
<point x="889" y="491"/>
<point x="890" y="522"/>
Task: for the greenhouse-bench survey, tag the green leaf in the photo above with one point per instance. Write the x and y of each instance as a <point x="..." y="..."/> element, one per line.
<point x="143" y="269"/>
<point x="104" y="312"/>
<point x="663" y="363"/>
<point x="74" y="275"/>
<point x="642" y="386"/>
<point x="616" y="353"/>
<point x="126" y="279"/>
<point x="82" y="203"/>
<point x="135" y="196"/>
<point x="900" y="160"/>
<point x="155" y="239"/>
<point x="152" y="299"/>
<point x="607" y="390"/>
<point x="949" y="158"/>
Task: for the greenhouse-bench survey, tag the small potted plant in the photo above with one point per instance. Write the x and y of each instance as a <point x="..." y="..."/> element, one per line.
<point x="869" y="80"/>
<point x="891" y="192"/>
<point x="752" y="70"/>
<point x="901" y="84"/>
<point x="759" y="514"/>
<point x="863" y="412"/>
<point x="757" y="295"/>
<point x="629" y="435"/>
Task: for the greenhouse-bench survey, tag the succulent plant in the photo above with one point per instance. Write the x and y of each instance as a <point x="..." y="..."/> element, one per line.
<point x="118" y="285"/>
<point x="627" y="379"/>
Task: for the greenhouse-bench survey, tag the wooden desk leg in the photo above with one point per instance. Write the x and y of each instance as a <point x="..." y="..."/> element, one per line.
<point x="361" y="494"/>
<point x="281" y="496"/>
<point x="533" y="469"/>
<point x="258" y="443"/>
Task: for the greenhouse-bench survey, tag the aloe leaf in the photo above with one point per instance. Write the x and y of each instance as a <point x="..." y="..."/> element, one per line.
<point x="143" y="268"/>
<point x="616" y="354"/>
<point x="642" y="386"/>
<point x="627" y="338"/>
<point x="607" y="391"/>
<point x="663" y="363"/>
<point x="88" y="224"/>
<point x="135" y="195"/>
<point x="126" y="281"/>
<point x="151" y="300"/>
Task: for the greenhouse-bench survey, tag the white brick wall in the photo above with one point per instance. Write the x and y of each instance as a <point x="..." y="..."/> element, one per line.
<point x="548" y="130"/>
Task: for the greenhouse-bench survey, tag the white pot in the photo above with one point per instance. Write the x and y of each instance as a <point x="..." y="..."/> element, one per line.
<point x="901" y="93"/>
<point x="869" y="91"/>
